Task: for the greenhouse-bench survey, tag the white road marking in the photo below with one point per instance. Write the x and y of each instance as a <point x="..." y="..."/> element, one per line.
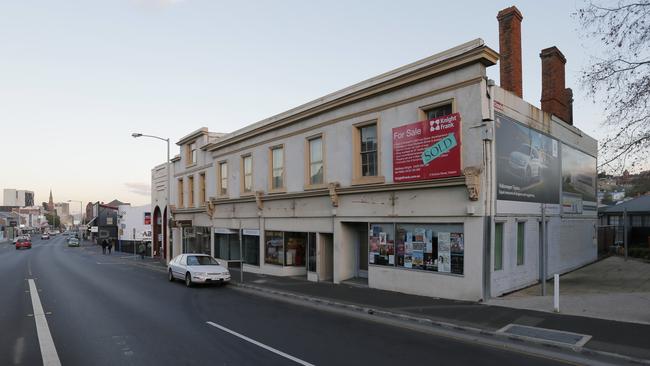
<point x="45" y="341"/>
<point x="268" y="348"/>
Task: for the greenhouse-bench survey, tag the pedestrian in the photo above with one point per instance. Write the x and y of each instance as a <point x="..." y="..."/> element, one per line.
<point x="103" y="246"/>
<point x="141" y="250"/>
<point x="110" y="246"/>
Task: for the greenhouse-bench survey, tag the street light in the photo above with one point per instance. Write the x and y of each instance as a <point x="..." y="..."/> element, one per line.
<point x="169" y="185"/>
<point x="80" y="218"/>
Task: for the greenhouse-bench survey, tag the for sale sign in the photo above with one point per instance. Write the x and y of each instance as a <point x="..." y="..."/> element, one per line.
<point x="427" y="149"/>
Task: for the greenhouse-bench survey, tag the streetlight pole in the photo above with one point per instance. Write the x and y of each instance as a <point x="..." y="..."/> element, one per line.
<point x="167" y="233"/>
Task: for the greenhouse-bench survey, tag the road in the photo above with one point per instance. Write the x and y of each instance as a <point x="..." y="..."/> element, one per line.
<point x="102" y="310"/>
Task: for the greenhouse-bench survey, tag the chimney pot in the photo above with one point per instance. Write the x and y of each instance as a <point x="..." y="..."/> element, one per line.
<point x="556" y="99"/>
<point x="510" y="49"/>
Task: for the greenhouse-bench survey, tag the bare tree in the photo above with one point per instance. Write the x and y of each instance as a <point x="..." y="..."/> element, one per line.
<point x="620" y="78"/>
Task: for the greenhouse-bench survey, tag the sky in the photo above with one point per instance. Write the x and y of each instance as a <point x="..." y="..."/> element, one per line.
<point x="77" y="77"/>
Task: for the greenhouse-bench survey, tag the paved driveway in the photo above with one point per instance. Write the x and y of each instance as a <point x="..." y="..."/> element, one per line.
<point x="609" y="289"/>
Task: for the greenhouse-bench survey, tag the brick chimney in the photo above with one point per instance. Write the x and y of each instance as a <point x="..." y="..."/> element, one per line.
<point x="556" y="99"/>
<point x="510" y="49"/>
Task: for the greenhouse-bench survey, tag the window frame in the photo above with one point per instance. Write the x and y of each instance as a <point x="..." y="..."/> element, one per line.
<point x="308" y="183"/>
<point x="423" y="110"/>
<point x="220" y="179"/>
<point x="521" y="243"/>
<point x="191" y="154"/>
<point x="202" y="193"/>
<point x="282" y="188"/>
<point x="190" y="191"/>
<point x="497" y="264"/>
<point x="242" y="167"/>
<point x="357" y="175"/>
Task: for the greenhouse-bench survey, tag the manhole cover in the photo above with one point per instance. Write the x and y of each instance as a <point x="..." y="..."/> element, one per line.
<point x="549" y="335"/>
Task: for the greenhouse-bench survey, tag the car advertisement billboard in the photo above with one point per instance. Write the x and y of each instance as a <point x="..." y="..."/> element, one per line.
<point x="427" y="149"/>
<point x="528" y="163"/>
<point x="579" y="179"/>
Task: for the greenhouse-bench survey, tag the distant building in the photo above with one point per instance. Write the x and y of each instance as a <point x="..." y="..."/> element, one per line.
<point x="16" y="197"/>
<point x="134" y="226"/>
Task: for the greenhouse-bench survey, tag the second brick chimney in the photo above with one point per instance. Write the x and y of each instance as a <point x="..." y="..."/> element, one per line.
<point x="556" y="99"/>
<point x="510" y="49"/>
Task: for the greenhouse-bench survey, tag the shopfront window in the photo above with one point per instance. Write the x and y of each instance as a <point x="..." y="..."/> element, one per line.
<point x="226" y="246"/>
<point x="295" y="245"/>
<point x="428" y="247"/>
<point x="312" y="252"/>
<point x="196" y="239"/>
<point x="381" y="243"/>
<point x="251" y="244"/>
<point x="274" y="247"/>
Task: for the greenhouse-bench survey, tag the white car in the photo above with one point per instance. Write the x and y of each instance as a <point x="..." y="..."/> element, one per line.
<point x="197" y="268"/>
<point x="526" y="162"/>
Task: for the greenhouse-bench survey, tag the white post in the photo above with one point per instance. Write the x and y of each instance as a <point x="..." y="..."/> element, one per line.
<point x="556" y="293"/>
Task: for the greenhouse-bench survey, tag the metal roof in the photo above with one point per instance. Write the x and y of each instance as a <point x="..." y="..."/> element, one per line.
<point x="639" y="204"/>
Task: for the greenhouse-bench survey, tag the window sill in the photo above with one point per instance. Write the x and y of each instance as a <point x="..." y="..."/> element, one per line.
<point x="277" y="191"/>
<point x="247" y="194"/>
<point x="190" y="165"/>
<point x="308" y="187"/>
<point x="368" y="180"/>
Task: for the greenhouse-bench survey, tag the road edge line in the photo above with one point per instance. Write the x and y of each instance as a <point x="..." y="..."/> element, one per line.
<point x="45" y="341"/>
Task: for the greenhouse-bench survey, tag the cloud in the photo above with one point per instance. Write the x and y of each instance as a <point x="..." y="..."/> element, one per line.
<point x="157" y="4"/>
<point x="143" y="189"/>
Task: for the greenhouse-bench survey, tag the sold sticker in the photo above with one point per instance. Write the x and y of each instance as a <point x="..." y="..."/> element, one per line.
<point x="439" y="148"/>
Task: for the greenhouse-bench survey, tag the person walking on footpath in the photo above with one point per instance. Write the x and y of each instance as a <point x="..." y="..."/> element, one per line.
<point x="110" y="246"/>
<point x="104" y="246"/>
<point x="141" y="250"/>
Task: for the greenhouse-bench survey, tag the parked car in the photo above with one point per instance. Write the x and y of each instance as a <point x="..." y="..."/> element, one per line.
<point x="23" y="243"/>
<point x="197" y="268"/>
<point x="73" y="242"/>
<point x="45" y="236"/>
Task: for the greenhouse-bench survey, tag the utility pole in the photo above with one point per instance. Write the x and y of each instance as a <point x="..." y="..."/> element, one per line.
<point x="542" y="252"/>
<point x="625" y="230"/>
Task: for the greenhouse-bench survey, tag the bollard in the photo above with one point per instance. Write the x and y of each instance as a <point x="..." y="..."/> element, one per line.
<point x="556" y="293"/>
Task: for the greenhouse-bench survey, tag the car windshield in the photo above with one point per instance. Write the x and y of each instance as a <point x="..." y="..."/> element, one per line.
<point x="524" y="149"/>
<point x="196" y="260"/>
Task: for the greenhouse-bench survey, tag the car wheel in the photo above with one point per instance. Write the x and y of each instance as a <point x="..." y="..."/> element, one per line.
<point x="171" y="276"/>
<point x="188" y="279"/>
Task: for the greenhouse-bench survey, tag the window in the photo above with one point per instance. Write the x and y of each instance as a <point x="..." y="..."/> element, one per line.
<point x="196" y="239"/>
<point x="521" y="240"/>
<point x="223" y="179"/>
<point x="368" y="150"/>
<point x="190" y="191"/>
<point x="285" y="248"/>
<point x="202" y="189"/>
<point x="311" y="252"/>
<point x="316" y="161"/>
<point x="637" y="221"/>
<point x="181" y="203"/>
<point x="277" y="168"/>
<point x="191" y="153"/>
<point x="274" y="247"/>
<point x="439" y="111"/>
<point x="615" y="220"/>
<point x="251" y="244"/>
<point x="226" y="246"/>
<point x="498" y="246"/>
<point x="247" y="168"/>
<point x="381" y="244"/>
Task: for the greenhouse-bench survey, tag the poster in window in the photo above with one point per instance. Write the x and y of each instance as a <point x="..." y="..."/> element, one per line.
<point x="371" y="257"/>
<point x="444" y="252"/>
<point x="417" y="259"/>
<point x="382" y="238"/>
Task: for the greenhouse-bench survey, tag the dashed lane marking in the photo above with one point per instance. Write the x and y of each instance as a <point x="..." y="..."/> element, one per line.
<point x="45" y="341"/>
<point x="268" y="348"/>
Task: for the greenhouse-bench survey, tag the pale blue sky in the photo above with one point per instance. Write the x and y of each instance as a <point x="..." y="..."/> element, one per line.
<point x="78" y="77"/>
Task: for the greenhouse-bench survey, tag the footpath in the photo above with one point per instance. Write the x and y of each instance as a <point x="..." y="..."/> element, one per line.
<point x="622" y="342"/>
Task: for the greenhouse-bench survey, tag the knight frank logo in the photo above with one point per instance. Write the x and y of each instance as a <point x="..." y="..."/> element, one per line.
<point x="442" y="123"/>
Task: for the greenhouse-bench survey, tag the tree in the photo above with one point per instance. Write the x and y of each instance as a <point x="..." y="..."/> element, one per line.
<point x="607" y="199"/>
<point x="53" y="219"/>
<point x="620" y="77"/>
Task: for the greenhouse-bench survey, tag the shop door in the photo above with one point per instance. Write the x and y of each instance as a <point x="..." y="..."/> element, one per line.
<point x="362" y="254"/>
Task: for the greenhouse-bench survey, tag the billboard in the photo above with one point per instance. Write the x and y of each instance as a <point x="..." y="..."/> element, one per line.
<point x="579" y="181"/>
<point x="427" y="149"/>
<point x="528" y="163"/>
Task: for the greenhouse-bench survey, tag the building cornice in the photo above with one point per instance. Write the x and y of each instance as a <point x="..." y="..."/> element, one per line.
<point x="192" y="136"/>
<point x="457" y="57"/>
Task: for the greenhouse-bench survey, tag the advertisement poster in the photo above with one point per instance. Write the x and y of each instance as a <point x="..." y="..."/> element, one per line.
<point x="528" y="163"/>
<point x="427" y="149"/>
<point x="579" y="179"/>
<point x="147" y="218"/>
<point x="444" y="252"/>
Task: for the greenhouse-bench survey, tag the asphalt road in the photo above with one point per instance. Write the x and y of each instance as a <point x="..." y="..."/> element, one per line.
<point x="102" y="310"/>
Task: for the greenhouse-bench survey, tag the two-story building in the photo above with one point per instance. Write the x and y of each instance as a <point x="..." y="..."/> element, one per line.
<point x="428" y="179"/>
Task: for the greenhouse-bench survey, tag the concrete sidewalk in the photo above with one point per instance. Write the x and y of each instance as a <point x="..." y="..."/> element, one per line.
<point x="612" y="289"/>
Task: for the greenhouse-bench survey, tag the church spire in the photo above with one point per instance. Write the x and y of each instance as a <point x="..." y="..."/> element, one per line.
<point x="50" y="203"/>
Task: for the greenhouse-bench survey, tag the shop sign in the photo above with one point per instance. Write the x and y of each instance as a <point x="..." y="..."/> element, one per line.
<point x="427" y="149"/>
<point x="183" y="223"/>
<point x="218" y="230"/>
<point x="94" y="229"/>
<point x="147" y="218"/>
<point x="251" y="232"/>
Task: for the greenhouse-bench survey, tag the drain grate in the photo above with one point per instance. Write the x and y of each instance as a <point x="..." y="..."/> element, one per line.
<point x="548" y="335"/>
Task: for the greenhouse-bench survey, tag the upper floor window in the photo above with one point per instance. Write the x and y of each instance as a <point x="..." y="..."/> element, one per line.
<point x="223" y="179"/>
<point x="202" y="197"/>
<point x="190" y="191"/>
<point x="277" y="167"/>
<point x="181" y="202"/>
<point x="439" y="111"/>
<point x="247" y="165"/>
<point x="191" y="153"/>
<point x="316" y="160"/>
<point x="368" y="150"/>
